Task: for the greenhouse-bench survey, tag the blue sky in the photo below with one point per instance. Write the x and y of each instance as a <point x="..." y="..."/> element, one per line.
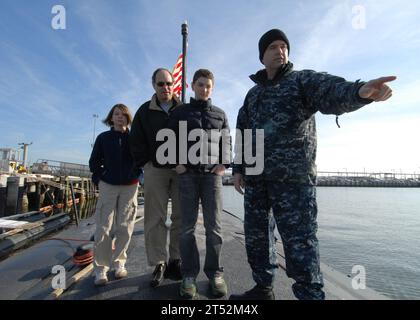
<point x="53" y="81"/>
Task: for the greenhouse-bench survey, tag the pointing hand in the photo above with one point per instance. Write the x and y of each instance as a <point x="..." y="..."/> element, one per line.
<point x="376" y="89"/>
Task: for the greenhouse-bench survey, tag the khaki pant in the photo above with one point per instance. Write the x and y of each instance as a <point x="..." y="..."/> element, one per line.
<point x="160" y="184"/>
<point x="116" y="210"/>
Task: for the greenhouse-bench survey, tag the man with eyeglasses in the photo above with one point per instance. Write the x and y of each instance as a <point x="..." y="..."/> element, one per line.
<point x="160" y="181"/>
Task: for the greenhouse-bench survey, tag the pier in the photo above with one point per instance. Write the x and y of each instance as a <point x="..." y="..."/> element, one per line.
<point x="368" y="179"/>
<point x="33" y="205"/>
<point x="358" y="179"/>
<point x="53" y="203"/>
<point x="49" y="183"/>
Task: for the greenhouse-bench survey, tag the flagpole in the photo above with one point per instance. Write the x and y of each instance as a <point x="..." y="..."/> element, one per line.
<point x="184" y="31"/>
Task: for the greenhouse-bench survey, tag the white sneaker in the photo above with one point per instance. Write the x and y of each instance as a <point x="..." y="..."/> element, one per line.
<point x="120" y="273"/>
<point x="101" y="279"/>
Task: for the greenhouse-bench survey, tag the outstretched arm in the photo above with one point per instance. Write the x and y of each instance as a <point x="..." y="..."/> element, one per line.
<point x="330" y="94"/>
<point x="376" y="89"/>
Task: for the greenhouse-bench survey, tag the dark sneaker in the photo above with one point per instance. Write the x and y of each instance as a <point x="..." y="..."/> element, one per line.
<point x="158" y="275"/>
<point x="173" y="271"/>
<point x="218" y="286"/>
<point x="256" y="293"/>
<point x="188" y="288"/>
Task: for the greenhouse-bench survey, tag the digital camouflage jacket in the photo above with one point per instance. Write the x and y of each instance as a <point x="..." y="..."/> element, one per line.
<point x="285" y="108"/>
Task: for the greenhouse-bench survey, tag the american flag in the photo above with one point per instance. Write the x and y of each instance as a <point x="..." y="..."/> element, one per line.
<point x="177" y="74"/>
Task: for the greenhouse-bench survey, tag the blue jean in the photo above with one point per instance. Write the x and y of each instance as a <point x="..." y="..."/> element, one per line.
<point x="206" y="187"/>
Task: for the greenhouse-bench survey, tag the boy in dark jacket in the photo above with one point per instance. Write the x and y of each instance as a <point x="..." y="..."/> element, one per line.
<point x="200" y="178"/>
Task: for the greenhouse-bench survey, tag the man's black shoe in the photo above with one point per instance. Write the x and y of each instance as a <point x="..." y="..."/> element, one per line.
<point x="173" y="271"/>
<point x="158" y="275"/>
<point x="256" y="293"/>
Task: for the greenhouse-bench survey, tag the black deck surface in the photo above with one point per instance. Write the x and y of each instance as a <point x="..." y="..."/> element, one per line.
<point x="26" y="275"/>
<point x="136" y="285"/>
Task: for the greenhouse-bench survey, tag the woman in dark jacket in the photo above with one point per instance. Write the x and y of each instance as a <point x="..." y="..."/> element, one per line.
<point x="113" y="171"/>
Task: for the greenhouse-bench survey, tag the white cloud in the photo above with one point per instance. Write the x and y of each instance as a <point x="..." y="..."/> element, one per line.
<point x="383" y="144"/>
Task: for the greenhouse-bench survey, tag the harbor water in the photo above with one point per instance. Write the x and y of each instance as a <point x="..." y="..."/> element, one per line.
<point x="377" y="228"/>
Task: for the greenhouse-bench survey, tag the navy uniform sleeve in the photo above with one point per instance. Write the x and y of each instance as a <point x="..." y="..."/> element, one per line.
<point x="241" y="124"/>
<point x="330" y="94"/>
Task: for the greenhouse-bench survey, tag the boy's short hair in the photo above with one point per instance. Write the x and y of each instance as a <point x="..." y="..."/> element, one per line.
<point x="124" y="109"/>
<point x="205" y="73"/>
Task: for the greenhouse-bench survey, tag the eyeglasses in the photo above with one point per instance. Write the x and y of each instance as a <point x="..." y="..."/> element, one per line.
<point x="161" y="84"/>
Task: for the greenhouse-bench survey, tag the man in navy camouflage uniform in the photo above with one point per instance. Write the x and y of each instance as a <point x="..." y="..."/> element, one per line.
<point x="283" y="103"/>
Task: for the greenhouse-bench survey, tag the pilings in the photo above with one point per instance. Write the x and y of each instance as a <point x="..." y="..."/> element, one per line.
<point x="14" y="197"/>
<point x="3" y="195"/>
<point x="20" y="194"/>
<point x="54" y="202"/>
